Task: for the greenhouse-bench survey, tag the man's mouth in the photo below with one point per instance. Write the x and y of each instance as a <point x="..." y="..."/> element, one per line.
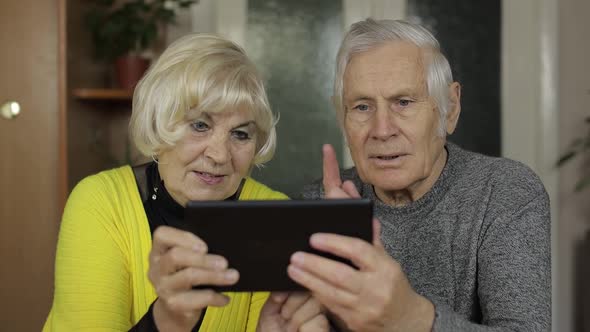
<point x="386" y="156"/>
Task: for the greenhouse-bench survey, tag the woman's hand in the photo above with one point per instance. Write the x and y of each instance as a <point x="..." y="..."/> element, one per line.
<point x="179" y="261"/>
<point x="292" y="312"/>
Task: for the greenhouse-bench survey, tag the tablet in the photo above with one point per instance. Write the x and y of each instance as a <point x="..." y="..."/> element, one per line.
<point x="259" y="237"/>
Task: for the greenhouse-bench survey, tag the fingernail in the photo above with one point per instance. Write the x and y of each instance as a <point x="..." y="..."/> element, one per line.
<point x="220" y="264"/>
<point x="297" y="258"/>
<point x="316" y="239"/>
<point x="231" y="275"/>
<point x="293" y="271"/>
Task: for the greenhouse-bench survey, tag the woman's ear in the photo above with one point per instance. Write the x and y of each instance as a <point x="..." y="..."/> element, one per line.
<point x="454" y="107"/>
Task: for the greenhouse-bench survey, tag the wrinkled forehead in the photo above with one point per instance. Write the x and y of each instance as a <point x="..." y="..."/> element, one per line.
<point x="394" y="64"/>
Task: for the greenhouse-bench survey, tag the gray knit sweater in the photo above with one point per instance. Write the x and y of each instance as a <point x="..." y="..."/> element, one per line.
<point x="478" y="244"/>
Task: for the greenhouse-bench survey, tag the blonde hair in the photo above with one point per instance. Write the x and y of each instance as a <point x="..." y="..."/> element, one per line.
<point x="197" y="73"/>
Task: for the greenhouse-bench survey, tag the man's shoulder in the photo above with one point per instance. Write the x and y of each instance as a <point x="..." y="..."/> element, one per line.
<point x="503" y="178"/>
<point x="315" y="190"/>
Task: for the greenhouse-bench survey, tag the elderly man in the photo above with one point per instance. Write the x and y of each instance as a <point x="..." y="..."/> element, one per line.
<point x="462" y="240"/>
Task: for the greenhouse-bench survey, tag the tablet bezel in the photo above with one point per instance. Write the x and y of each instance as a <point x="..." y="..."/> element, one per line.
<point x="258" y="237"/>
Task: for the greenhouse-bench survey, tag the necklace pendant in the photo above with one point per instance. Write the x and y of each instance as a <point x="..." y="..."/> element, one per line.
<point x="154" y="197"/>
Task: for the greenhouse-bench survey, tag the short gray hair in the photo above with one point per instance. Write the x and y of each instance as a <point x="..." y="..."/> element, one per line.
<point x="368" y="34"/>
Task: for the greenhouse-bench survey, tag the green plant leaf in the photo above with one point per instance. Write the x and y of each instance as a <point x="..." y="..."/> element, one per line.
<point x="576" y="143"/>
<point x="131" y="26"/>
<point x="185" y="4"/>
<point x="104" y="3"/>
<point x="578" y="146"/>
<point x="583" y="183"/>
<point x="566" y="157"/>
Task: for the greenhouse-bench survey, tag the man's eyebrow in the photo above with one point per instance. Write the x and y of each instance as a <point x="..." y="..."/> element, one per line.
<point x="356" y="98"/>
<point x="400" y="94"/>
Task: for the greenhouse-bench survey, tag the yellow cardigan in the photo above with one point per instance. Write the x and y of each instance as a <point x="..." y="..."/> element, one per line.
<point x="101" y="263"/>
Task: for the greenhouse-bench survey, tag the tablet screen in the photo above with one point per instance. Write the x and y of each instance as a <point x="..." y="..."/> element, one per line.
<point x="259" y="237"/>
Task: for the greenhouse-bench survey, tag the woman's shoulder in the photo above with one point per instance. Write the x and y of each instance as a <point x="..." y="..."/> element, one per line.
<point x="103" y="188"/>
<point x="108" y="200"/>
<point x="253" y="189"/>
<point x="106" y="180"/>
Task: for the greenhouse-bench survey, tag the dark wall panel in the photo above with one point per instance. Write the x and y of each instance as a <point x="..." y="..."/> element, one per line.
<point x="469" y="33"/>
<point x="294" y="44"/>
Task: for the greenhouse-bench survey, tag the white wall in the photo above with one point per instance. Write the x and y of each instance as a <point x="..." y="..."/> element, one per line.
<point x="546" y="96"/>
<point x="227" y="18"/>
<point x="574" y="106"/>
<point x="530" y="102"/>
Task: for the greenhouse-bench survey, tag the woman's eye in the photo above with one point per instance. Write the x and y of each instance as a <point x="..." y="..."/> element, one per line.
<point x="200" y="126"/>
<point x="241" y="135"/>
<point x="362" y="107"/>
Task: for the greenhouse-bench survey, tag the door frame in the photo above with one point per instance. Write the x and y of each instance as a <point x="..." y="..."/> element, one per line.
<point x="62" y="88"/>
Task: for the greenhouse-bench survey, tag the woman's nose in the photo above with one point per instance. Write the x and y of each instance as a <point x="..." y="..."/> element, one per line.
<point x="218" y="150"/>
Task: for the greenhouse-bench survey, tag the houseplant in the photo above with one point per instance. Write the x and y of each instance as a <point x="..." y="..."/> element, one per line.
<point x="122" y="30"/>
<point x="579" y="146"/>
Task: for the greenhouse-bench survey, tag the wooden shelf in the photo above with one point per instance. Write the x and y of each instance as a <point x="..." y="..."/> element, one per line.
<point x="103" y="94"/>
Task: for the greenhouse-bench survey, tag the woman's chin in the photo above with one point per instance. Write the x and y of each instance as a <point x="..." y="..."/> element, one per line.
<point x="212" y="194"/>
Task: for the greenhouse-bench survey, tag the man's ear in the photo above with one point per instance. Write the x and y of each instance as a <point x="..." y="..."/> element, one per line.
<point x="339" y="116"/>
<point x="454" y="107"/>
<point x="335" y="103"/>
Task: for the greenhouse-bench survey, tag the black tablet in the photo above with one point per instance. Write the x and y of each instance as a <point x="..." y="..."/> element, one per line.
<point x="259" y="237"/>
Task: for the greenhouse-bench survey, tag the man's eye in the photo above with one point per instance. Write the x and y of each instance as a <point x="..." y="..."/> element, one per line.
<point x="241" y="135"/>
<point x="200" y="126"/>
<point x="362" y="107"/>
<point x="404" y="102"/>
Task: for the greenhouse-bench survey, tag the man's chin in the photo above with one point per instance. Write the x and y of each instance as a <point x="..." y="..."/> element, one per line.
<point x="390" y="187"/>
<point x="387" y="179"/>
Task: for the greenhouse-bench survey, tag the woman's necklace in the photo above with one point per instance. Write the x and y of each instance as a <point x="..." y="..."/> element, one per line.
<point x="154" y="195"/>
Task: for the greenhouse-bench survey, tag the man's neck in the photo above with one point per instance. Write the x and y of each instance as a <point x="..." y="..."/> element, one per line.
<point x="399" y="198"/>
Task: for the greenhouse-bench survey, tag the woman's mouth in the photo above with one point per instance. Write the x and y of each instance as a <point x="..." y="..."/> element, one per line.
<point x="209" y="178"/>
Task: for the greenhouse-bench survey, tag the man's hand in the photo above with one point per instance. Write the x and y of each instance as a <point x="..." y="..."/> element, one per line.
<point x="377" y="296"/>
<point x="334" y="188"/>
<point x="292" y="312"/>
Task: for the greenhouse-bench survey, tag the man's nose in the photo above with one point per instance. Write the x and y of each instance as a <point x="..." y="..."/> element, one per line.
<point x="384" y="125"/>
<point x="218" y="149"/>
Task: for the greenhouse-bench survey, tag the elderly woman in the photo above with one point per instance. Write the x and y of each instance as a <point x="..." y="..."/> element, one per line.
<point x="202" y="114"/>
